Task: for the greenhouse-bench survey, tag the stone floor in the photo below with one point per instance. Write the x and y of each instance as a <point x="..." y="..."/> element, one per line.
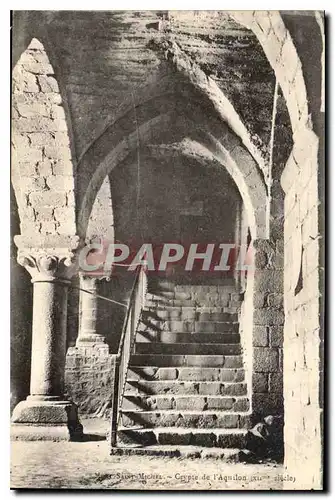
<point x="89" y="465"/>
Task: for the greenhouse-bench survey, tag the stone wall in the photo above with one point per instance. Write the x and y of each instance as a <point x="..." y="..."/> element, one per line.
<point x="42" y="171"/>
<point x="201" y="194"/>
<point x="268" y="321"/>
<point x="303" y="340"/>
<point x="89" y="379"/>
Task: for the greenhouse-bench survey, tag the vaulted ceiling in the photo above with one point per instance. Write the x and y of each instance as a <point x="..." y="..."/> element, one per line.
<point x="103" y="58"/>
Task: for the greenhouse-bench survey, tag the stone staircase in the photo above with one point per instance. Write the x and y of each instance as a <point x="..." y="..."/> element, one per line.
<point x="186" y="392"/>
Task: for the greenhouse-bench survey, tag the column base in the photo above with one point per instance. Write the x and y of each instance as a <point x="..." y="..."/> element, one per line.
<point x="91" y="340"/>
<point x="46" y="419"/>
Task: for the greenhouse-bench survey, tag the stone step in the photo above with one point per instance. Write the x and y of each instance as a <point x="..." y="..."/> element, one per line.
<point x="198" y="291"/>
<point x="196" y="374"/>
<point x="211" y="438"/>
<point x="194" y="299"/>
<point x="182" y="402"/>
<point x="215" y="361"/>
<point x="184" y="418"/>
<point x="172" y="284"/>
<point x="168" y="387"/>
<point x="213" y="302"/>
<point x="185" y="307"/>
<point x="228" y="455"/>
<point x="187" y="314"/>
<point x="228" y="288"/>
<point x="189" y="348"/>
<point x="188" y="338"/>
<point x="188" y="326"/>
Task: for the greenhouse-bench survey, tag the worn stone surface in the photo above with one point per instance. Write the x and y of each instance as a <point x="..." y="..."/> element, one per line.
<point x="193" y="397"/>
<point x="303" y="337"/>
<point x="86" y="369"/>
<point x="88" y="464"/>
<point x="45" y="420"/>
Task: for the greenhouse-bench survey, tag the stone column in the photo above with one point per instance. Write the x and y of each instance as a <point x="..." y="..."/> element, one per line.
<point x="88" y="334"/>
<point x="48" y="414"/>
<point x="89" y="364"/>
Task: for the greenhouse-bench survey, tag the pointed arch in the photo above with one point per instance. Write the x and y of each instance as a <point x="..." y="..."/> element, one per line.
<point x="211" y="138"/>
<point x="42" y="163"/>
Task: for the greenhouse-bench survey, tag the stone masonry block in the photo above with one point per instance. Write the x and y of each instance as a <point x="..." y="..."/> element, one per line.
<point x="57" y="113"/>
<point x="57" y="153"/>
<point x="48" y="84"/>
<point x="49" y="139"/>
<point x="268" y="280"/>
<point x="278" y="27"/>
<point x="44" y="167"/>
<point x="279" y="255"/>
<point x="31" y="155"/>
<point x="268" y="316"/>
<point x="33" y="110"/>
<point x="37" y="124"/>
<point x="310" y="225"/>
<point x="263" y="20"/>
<point x="301" y="96"/>
<point x="29" y="227"/>
<point x="28" y="83"/>
<point x="38" y="55"/>
<point x="48" y="228"/>
<point x="47" y="199"/>
<point x="20" y="142"/>
<point x="266" y="359"/>
<point x="276" y="382"/>
<point x="63" y="166"/>
<point x="35" y="45"/>
<point x="27" y="169"/>
<point x="260" y="259"/>
<point x="260" y="382"/>
<point x="33" y="184"/>
<point x="276" y="336"/>
<point x="260" y="300"/>
<point x="260" y="336"/>
<point x="268" y="404"/>
<point x="168" y="373"/>
<point x="290" y="59"/>
<point x="272" y="48"/>
<point x="37" y="68"/>
<point x="60" y="182"/>
<point x="275" y="300"/>
<point x="66" y="228"/>
<point x="44" y="213"/>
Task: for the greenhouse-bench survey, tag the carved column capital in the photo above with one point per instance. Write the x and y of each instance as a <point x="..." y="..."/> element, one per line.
<point x="48" y="265"/>
<point x="88" y="277"/>
<point x="49" y="262"/>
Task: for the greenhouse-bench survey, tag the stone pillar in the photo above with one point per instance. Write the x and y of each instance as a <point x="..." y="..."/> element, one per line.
<point x="267" y="335"/>
<point x="88" y="334"/>
<point x="89" y="364"/>
<point x="46" y="413"/>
